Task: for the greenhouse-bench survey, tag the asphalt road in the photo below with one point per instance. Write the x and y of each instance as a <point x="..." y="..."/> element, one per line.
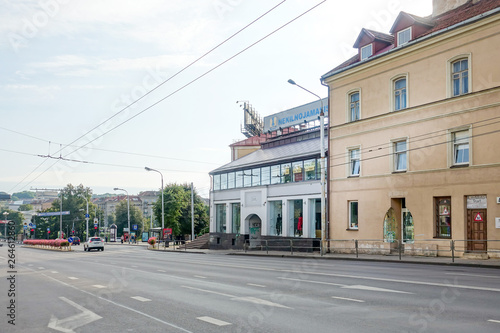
<point x="131" y="289"/>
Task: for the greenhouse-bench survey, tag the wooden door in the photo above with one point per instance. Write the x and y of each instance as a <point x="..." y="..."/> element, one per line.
<point x="476" y="230"/>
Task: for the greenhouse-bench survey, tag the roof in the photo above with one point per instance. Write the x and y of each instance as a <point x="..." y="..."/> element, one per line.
<point x="427" y="21"/>
<point x="374" y="35"/>
<point x="252" y="141"/>
<point x="436" y="24"/>
<point x="276" y="154"/>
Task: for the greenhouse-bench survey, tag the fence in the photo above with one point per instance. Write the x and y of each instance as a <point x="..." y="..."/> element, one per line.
<point x="405" y="248"/>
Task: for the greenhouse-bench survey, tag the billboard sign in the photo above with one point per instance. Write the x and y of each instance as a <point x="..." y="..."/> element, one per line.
<point x="295" y="116"/>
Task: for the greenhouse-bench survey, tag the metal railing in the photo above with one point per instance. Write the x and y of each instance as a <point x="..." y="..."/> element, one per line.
<point x="402" y="248"/>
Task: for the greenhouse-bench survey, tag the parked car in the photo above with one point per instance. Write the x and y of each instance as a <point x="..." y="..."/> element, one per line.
<point x="76" y="241"/>
<point x="94" y="243"/>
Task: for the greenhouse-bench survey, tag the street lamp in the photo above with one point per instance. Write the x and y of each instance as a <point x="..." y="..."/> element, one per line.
<point x="128" y="211"/>
<point x="162" y="203"/>
<point x="322" y="166"/>
<point x="86" y="218"/>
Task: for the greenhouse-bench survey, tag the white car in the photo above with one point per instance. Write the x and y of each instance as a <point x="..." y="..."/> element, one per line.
<point x="93" y="243"/>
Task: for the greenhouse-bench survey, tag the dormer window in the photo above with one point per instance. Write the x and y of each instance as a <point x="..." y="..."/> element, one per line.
<point x="404" y="36"/>
<point x="366" y="51"/>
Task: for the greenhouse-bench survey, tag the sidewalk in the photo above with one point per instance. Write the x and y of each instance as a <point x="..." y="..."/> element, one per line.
<point x="488" y="263"/>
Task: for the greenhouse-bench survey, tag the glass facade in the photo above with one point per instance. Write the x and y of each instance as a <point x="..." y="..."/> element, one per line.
<point x="297" y="171"/>
<point x="295" y="216"/>
<point x="315" y="217"/>
<point x="220" y="218"/>
<point x="275" y="218"/>
<point x="236" y="217"/>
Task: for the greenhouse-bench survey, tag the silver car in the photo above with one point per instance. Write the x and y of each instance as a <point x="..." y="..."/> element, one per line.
<point x="93" y="243"/>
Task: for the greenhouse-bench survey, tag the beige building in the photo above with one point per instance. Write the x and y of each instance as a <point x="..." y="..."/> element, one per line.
<point x="415" y="133"/>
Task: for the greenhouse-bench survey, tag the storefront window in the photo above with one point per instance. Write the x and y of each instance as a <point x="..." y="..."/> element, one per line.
<point x="265" y="175"/>
<point x="297" y="171"/>
<point x="315" y="217"/>
<point x="286" y="173"/>
<point x="276" y="218"/>
<point x="443" y="217"/>
<point x="295" y="218"/>
<point x="236" y="217"/>
<point x="220" y="218"/>
<point x="310" y="169"/>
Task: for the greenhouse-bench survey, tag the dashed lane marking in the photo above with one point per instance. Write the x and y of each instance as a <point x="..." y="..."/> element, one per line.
<point x="214" y="321"/>
<point x="98" y="286"/>
<point x="142" y="299"/>
<point x="256" y="285"/>
<point x="348" y="299"/>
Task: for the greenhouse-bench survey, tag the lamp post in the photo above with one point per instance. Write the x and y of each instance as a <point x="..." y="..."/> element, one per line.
<point x="86" y="218"/>
<point x="322" y="166"/>
<point x="128" y="210"/>
<point x="162" y="203"/>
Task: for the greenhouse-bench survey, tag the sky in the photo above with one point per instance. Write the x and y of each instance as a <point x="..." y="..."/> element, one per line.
<point x="70" y="70"/>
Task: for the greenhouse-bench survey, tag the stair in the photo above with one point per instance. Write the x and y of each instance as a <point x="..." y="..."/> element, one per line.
<point x="199" y="243"/>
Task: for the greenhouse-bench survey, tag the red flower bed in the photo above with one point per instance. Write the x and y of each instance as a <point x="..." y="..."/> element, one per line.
<point x="152" y="240"/>
<point x="47" y="242"/>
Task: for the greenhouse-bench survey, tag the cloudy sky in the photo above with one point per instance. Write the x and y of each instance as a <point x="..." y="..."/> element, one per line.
<point x="69" y="70"/>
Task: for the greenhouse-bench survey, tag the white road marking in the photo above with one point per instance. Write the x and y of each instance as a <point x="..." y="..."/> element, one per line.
<point x="209" y="291"/>
<point x="360" y="287"/>
<point x="256" y="285"/>
<point x="72" y="278"/>
<point x="142" y="299"/>
<point x="214" y="321"/>
<point x="67" y="325"/>
<point x="349" y="299"/>
<point x="98" y="286"/>
<point x="260" y="301"/>
<point x="345" y="286"/>
<point x="41" y="267"/>
<point x="199" y="276"/>
<point x="54" y="272"/>
<point x="477" y="275"/>
<point x="494" y="321"/>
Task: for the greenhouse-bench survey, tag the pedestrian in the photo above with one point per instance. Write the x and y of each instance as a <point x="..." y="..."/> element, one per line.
<point x="122" y="239"/>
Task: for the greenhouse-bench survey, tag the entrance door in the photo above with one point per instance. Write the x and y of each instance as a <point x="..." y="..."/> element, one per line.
<point x="476" y="230"/>
<point x="407" y="228"/>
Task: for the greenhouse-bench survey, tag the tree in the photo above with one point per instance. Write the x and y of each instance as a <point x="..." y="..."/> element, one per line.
<point x="23" y="195"/>
<point x="74" y="202"/>
<point x="121" y="217"/>
<point x="25" y="207"/>
<point x="177" y="201"/>
<point x="15" y="216"/>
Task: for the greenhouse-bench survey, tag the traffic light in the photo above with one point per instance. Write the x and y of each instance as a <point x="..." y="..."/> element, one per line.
<point x="32" y="231"/>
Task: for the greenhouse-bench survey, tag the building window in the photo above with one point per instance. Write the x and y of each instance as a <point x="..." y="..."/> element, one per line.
<point x="443" y="217"/>
<point x="265" y="175"/>
<point x="400" y="94"/>
<point x="236" y="217"/>
<point x="460" y="77"/>
<point x="354" y="162"/>
<point x="256" y="177"/>
<point x="275" y="218"/>
<point x="366" y="52"/>
<point x="275" y="174"/>
<point x="310" y="169"/>
<point x="230" y="180"/>
<point x="298" y="171"/>
<point x="223" y="181"/>
<point x="354" y="113"/>
<point x="239" y="178"/>
<point x="353" y="215"/>
<point x="220" y="218"/>
<point x="460" y="148"/>
<point x="400" y="155"/>
<point x="404" y="36"/>
<point x="216" y="182"/>
<point x="286" y="174"/>
<point x="247" y="178"/>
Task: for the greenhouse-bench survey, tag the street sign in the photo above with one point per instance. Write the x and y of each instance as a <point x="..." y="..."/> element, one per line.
<point x="96" y="220"/>
<point x="25" y="227"/>
<point x="70" y="240"/>
<point x="87" y="216"/>
<point x="54" y="213"/>
<point x="31" y="224"/>
<point x="134" y="227"/>
<point x="48" y="229"/>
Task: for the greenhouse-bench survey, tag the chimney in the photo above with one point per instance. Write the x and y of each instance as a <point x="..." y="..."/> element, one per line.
<point x="442" y="6"/>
